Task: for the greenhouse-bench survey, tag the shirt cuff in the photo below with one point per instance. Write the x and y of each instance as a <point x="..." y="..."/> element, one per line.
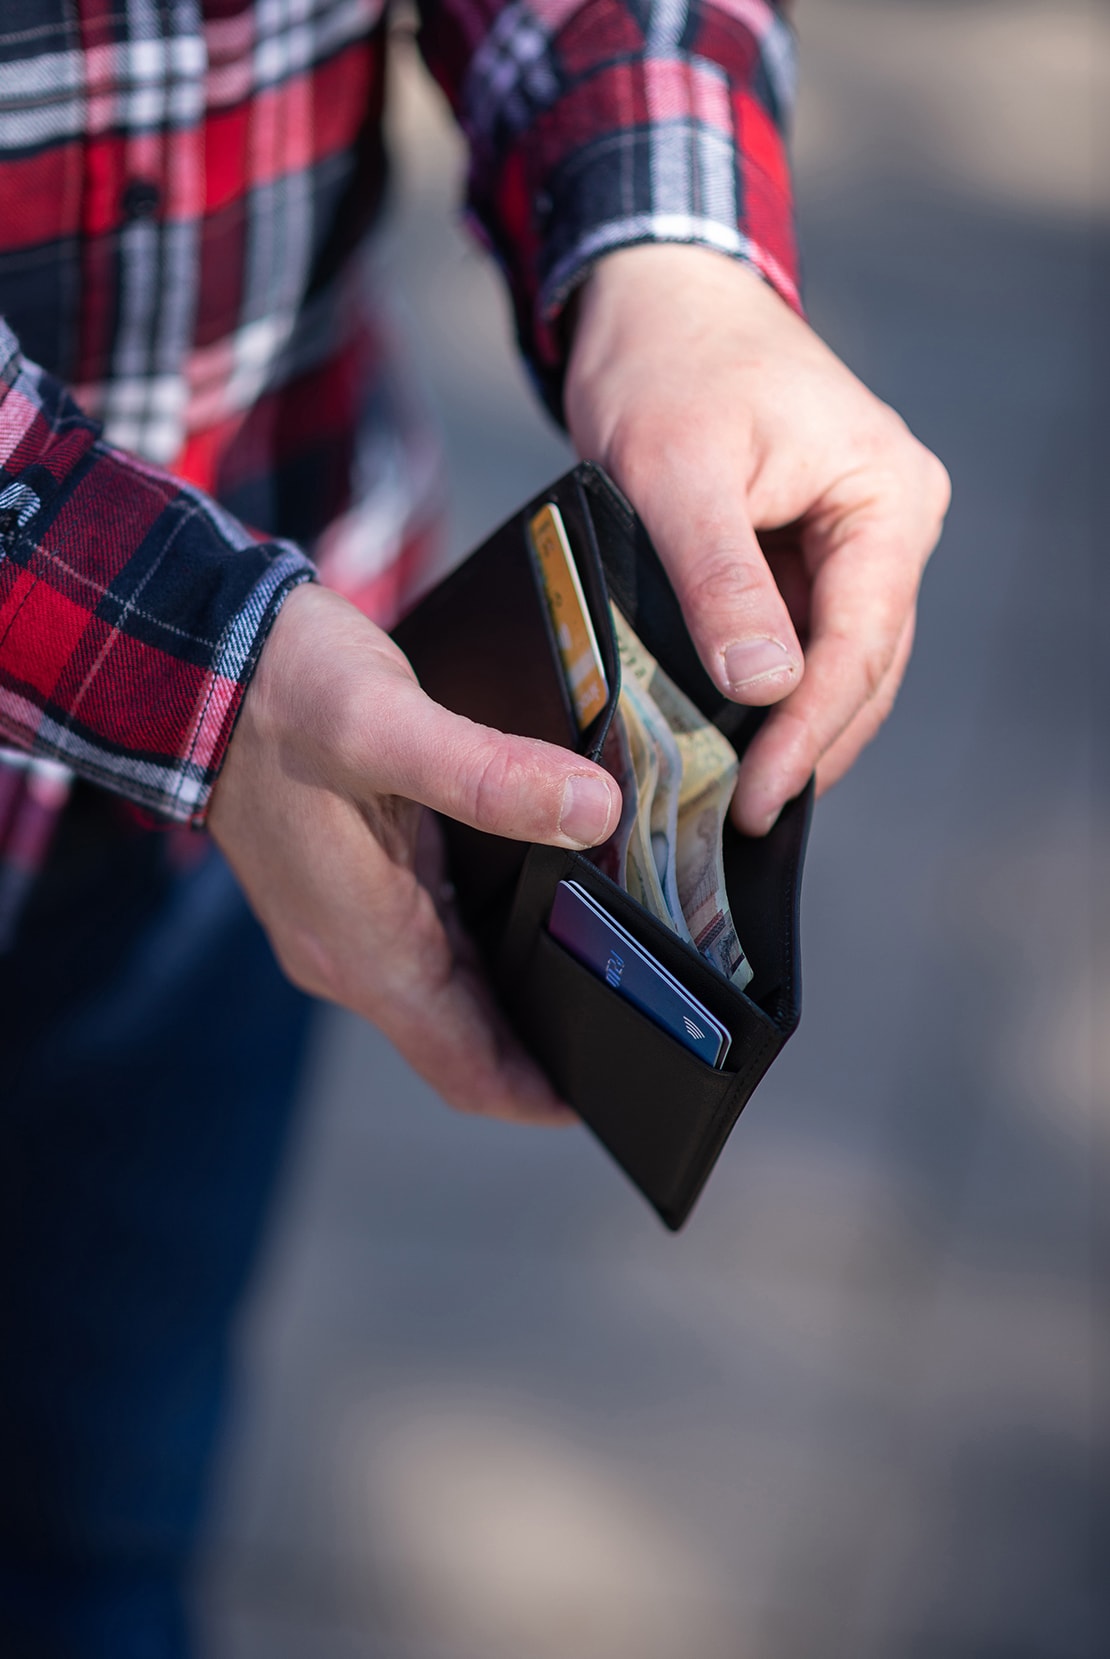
<point x="637" y="140"/>
<point x="133" y="610"/>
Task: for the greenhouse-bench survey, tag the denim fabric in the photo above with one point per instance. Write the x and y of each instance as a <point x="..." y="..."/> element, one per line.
<point x="150" y="1052"/>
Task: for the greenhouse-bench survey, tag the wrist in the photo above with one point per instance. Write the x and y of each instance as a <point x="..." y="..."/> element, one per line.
<point x="277" y="704"/>
<point x="667" y="273"/>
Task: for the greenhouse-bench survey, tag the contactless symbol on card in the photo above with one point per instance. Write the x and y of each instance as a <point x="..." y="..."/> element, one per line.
<point x="570" y="617"/>
<point x="601" y="944"/>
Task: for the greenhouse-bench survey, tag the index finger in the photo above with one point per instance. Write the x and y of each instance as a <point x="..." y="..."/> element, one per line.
<point x="864" y="594"/>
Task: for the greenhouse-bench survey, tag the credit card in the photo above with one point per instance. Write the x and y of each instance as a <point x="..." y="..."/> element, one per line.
<point x="601" y="944"/>
<point x="570" y="617"/>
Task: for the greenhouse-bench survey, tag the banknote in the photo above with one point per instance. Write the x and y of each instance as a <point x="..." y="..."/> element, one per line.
<point x="709" y="770"/>
<point x="641" y="875"/>
<point x="658" y="813"/>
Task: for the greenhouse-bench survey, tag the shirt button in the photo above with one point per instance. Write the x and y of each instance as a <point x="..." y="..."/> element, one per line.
<point x="141" y="199"/>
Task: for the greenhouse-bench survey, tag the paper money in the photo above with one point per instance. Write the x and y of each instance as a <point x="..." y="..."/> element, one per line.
<point x="709" y="770"/>
<point x="659" y="816"/>
<point x="641" y="875"/>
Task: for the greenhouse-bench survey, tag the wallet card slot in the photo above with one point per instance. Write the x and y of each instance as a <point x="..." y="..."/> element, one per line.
<point x="749" y="1026"/>
<point x="652" y="1103"/>
<point x="681" y="959"/>
<point x="638" y="1020"/>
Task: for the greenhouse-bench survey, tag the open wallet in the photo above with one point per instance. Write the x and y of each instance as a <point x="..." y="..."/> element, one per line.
<point x="484" y="644"/>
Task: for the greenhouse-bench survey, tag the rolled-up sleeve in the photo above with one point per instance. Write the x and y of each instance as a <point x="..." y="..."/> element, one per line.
<point x="132" y="609"/>
<point x="600" y="124"/>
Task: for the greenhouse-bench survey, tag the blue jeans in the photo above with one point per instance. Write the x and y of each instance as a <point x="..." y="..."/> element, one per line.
<point x="150" y="1052"/>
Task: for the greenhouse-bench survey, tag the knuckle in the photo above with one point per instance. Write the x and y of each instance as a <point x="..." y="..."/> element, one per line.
<point x="430" y="959"/>
<point x="720" y="580"/>
<point x="668" y="435"/>
<point x="885" y="701"/>
<point x="632" y="439"/>
<point x="863" y="671"/>
<point x="882" y="437"/>
<point x="938" y="484"/>
<point x="493" y="786"/>
<point x="873" y="665"/>
<point x="924" y="476"/>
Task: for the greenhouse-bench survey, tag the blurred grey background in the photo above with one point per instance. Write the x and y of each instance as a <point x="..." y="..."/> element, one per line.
<point x="489" y="1409"/>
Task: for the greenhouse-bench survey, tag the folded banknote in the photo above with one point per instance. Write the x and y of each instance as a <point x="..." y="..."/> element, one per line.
<point x="677" y="773"/>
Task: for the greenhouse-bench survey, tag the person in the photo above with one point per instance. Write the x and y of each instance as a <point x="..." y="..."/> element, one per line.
<point x="199" y="443"/>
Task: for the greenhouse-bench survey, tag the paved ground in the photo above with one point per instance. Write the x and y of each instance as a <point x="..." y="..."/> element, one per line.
<point x="491" y="1411"/>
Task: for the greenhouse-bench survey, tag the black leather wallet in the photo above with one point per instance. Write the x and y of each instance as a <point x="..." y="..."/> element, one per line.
<point x="482" y="644"/>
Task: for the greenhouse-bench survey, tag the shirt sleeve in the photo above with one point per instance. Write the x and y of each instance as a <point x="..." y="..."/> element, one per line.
<point x="599" y="124"/>
<point x="132" y="609"/>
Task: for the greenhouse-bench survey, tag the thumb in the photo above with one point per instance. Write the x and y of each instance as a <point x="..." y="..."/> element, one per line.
<point x="514" y="786"/>
<point x="689" y="492"/>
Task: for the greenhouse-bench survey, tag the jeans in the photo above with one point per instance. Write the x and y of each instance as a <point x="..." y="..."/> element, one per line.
<point x="150" y="1052"/>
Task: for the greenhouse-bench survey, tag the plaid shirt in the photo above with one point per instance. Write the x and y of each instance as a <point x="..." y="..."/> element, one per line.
<point x="190" y="346"/>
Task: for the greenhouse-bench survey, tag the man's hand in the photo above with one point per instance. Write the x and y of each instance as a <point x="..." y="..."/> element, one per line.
<point x="318" y="810"/>
<point x="721" y="414"/>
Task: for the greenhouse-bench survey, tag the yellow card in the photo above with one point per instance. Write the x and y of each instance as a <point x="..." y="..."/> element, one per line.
<point x="586" y="682"/>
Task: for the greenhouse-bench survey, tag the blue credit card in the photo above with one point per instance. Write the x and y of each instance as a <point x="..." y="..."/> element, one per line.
<point x="601" y="944"/>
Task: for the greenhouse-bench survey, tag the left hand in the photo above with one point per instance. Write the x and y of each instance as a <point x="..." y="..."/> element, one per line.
<point x="317" y="809"/>
<point x="793" y="510"/>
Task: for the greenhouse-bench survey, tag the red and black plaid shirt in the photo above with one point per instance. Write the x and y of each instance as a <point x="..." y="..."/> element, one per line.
<point x="188" y="345"/>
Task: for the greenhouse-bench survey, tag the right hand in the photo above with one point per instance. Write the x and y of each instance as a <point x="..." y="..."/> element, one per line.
<point x="318" y="807"/>
<point x="725" y="420"/>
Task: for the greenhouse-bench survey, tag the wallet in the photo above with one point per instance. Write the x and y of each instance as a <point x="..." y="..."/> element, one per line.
<point x="482" y="644"/>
